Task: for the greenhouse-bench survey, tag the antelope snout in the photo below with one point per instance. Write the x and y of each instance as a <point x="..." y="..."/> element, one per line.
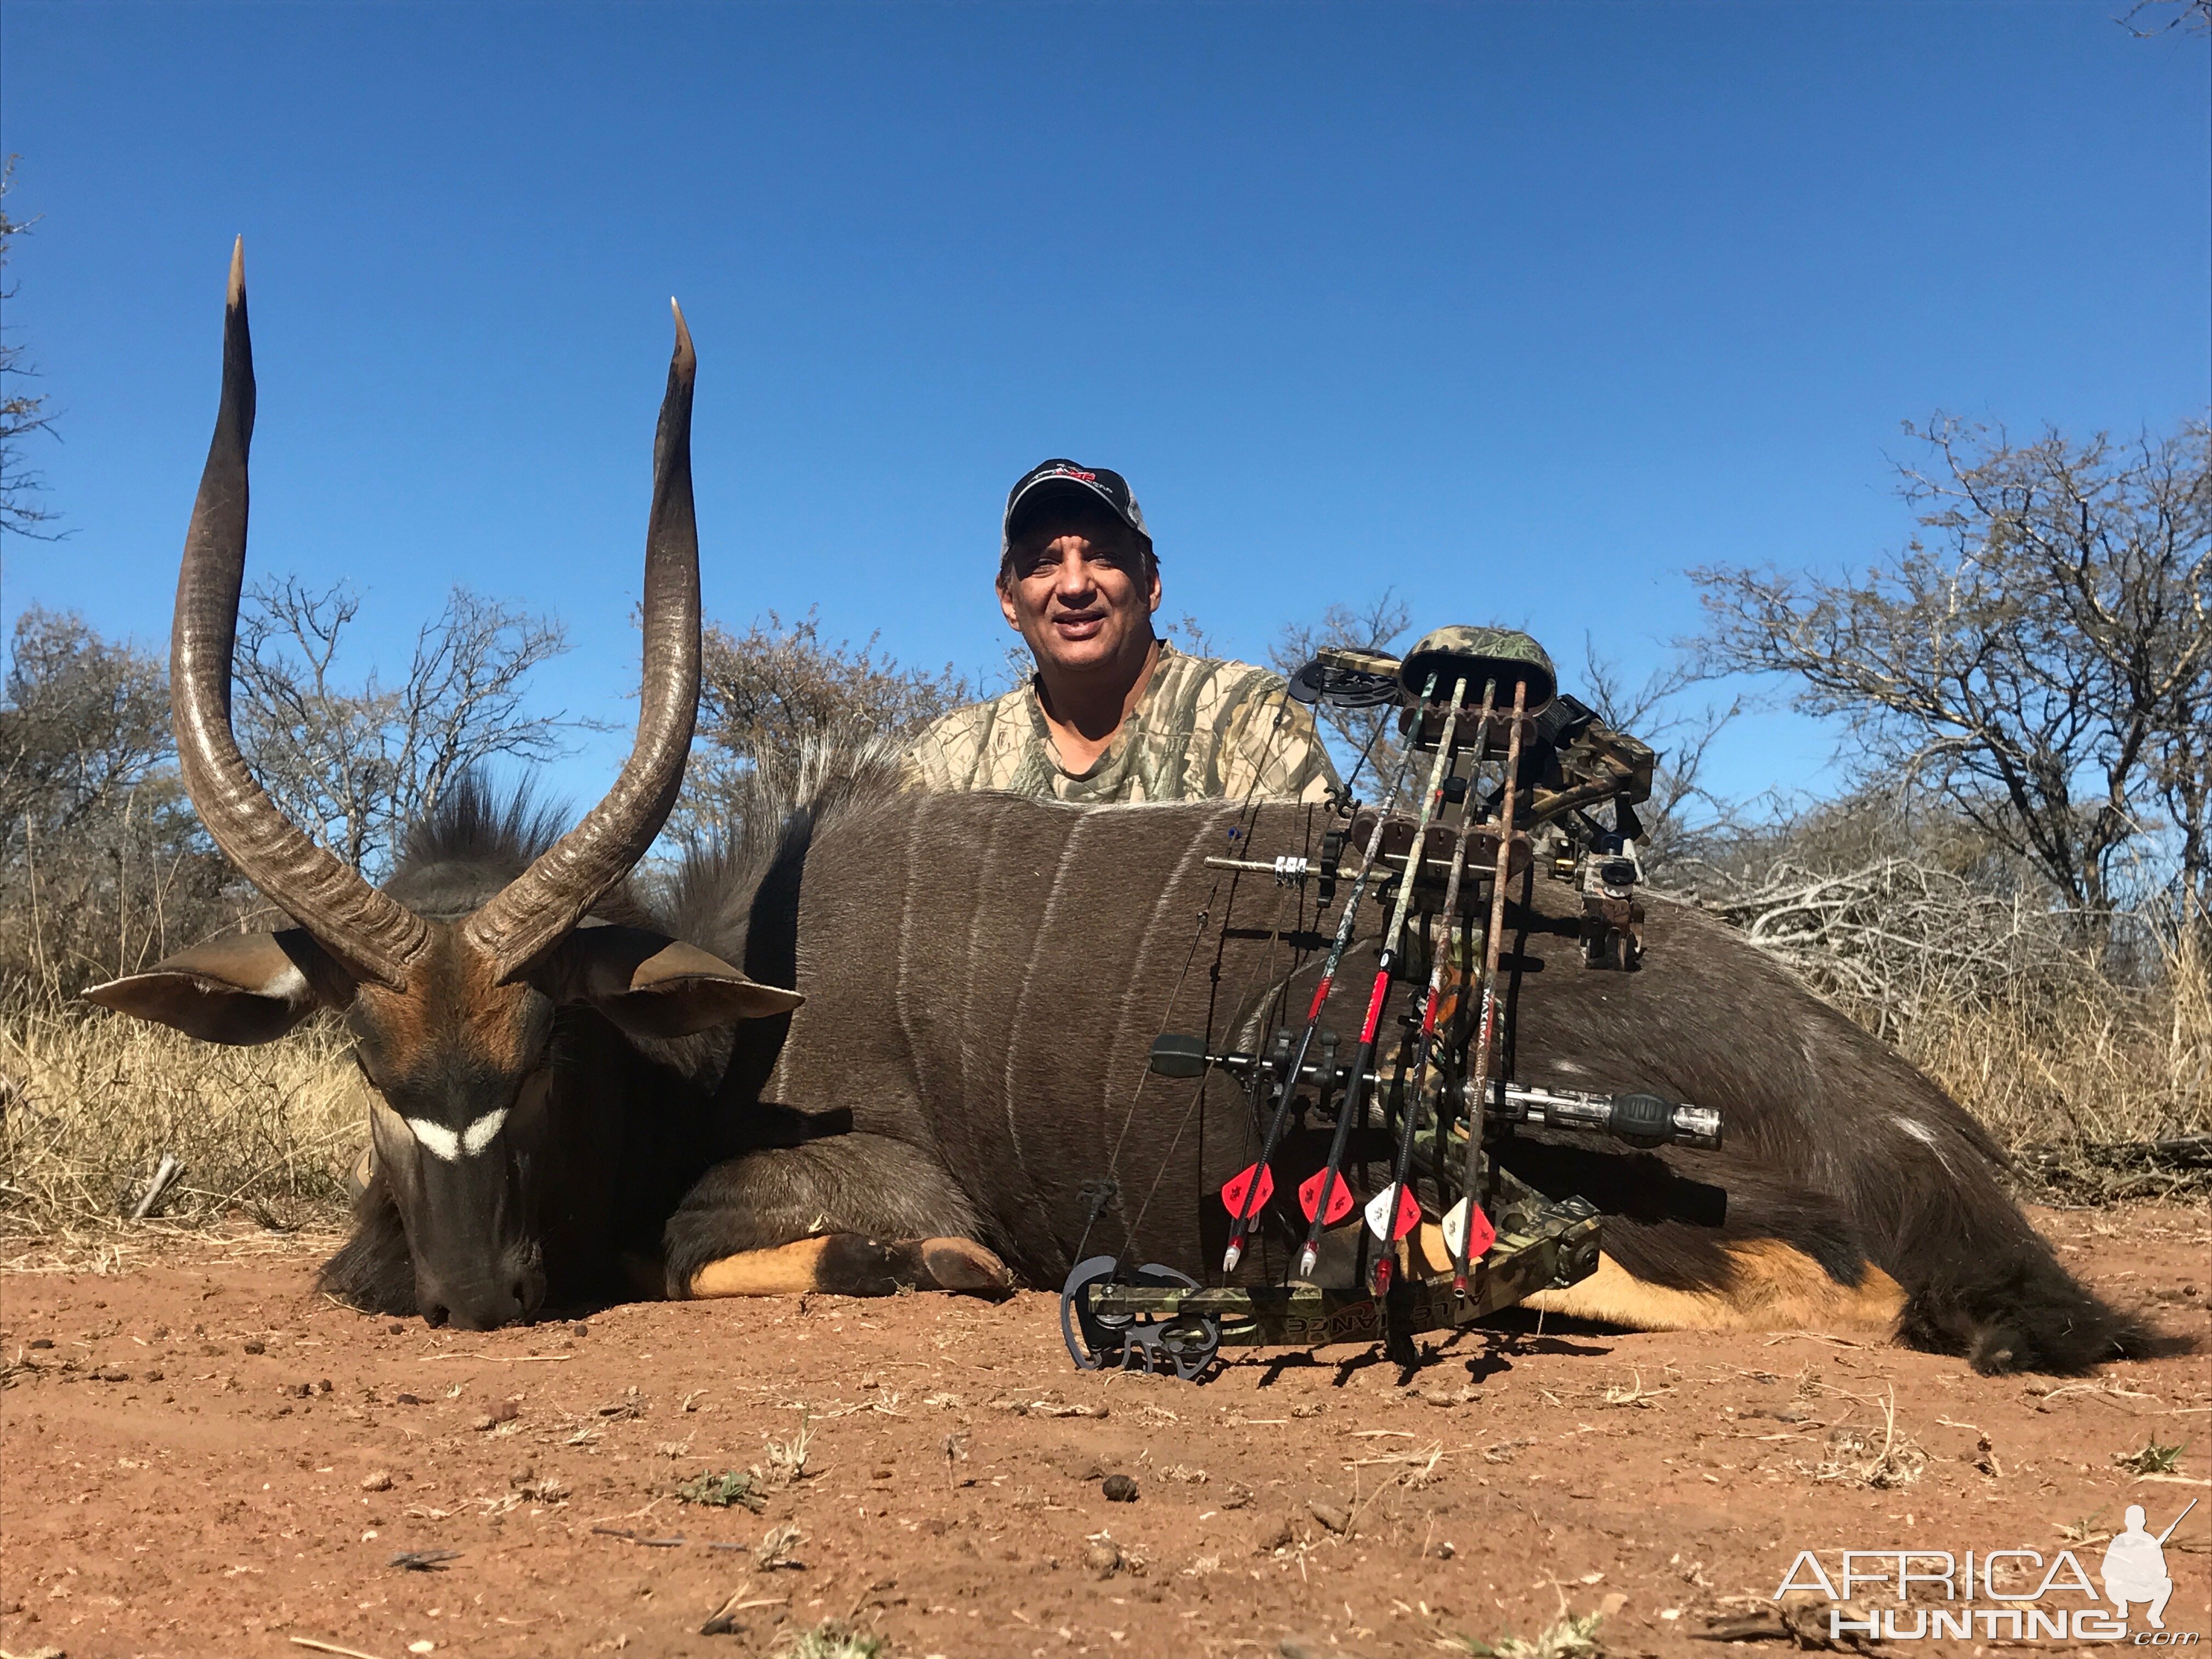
<point x="481" y="1303"/>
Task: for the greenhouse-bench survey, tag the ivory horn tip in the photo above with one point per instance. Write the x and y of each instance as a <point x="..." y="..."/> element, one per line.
<point x="685" y="356"/>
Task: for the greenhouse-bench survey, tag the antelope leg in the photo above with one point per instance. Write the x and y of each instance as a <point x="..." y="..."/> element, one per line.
<point x="853" y="1264"/>
<point x="854" y="1214"/>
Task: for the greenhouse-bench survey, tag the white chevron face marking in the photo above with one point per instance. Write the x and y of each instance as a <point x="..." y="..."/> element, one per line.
<point x="438" y="1141"/>
<point x="479" y="1135"/>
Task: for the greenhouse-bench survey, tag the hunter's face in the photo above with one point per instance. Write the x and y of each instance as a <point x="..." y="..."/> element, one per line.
<point x="1080" y="590"/>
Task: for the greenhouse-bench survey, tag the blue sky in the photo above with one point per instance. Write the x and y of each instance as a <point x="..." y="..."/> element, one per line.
<point x="1523" y="308"/>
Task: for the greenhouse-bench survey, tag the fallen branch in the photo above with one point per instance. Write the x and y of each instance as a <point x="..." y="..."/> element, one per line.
<point x="629" y="1537"/>
<point x="502" y="1359"/>
<point x="329" y="1647"/>
<point x="165" y="1176"/>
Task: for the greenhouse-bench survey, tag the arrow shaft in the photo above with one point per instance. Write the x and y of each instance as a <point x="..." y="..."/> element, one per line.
<point x="1480" y="1076"/>
<point x="1286" y="1086"/>
<point x="1355" y="1093"/>
<point x="1425" y="1068"/>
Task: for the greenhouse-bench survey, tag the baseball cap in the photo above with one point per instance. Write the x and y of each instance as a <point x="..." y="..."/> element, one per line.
<point x="1060" y="479"/>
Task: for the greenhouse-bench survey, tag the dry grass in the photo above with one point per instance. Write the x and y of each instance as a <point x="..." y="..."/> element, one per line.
<point x="1877" y="1457"/>
<point x="93" y="1101"/>
<point x="1571" y="1637"/>
<point x="2079" y="1077"/>
<point x="2073" y="1072"/>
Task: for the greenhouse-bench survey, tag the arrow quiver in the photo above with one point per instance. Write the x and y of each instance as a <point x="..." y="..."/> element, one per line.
<point x="1521" y="777"/>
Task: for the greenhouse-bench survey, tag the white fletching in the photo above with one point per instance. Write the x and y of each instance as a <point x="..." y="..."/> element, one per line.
<point x="1383" y="1212"/>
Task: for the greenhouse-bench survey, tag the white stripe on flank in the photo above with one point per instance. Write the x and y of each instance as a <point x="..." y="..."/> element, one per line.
<point x="1016" y="1028"/>
<point x="1170" y="889"/>
<point x="914" y="880"/>
<point x="440" y="1142"/>
<point x="984" y="891"/>
<point x="1926" y="1136"/>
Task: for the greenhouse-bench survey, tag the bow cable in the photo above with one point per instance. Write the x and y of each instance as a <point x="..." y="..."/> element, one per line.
<point x="1245" y="814"/>
<point x="1245" y="1192"/>
<point x="1327" y="1199"/>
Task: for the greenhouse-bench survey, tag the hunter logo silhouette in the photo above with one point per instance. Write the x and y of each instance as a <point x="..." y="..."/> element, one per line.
<point x="2134" y="1566"/>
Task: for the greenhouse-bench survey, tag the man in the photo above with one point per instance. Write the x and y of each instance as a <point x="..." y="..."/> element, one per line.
<point x="1113" y="712"/>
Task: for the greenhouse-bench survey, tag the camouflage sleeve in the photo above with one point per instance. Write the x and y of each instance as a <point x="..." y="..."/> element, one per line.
<point x="967" y="748"/>
<point x="928" y="764"/>
<point x="1272" y="749"/>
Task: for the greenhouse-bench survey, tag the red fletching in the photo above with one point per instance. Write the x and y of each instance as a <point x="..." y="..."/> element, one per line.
<point x="1481" y="1235"/>
<point x="1340" y="1198"/>
<point x="1409" y="1213"/>
<point x="1234" y="1188"/>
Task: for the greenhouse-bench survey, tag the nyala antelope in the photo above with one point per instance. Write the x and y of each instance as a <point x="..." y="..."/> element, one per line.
<point x="567" y="1085"/>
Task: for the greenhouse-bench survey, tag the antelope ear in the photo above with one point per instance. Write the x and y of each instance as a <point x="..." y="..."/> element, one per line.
<point x="655" y="987"/>
<point x="242" y="989"/>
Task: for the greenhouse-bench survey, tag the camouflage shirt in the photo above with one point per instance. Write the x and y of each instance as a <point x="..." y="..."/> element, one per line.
<point x="1204" y="728"/>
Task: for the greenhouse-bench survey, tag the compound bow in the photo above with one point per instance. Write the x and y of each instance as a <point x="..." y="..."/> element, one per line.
<point x="1522" y="778"/>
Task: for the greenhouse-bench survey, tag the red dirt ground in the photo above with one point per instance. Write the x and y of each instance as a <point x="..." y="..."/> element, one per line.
<point x="204" y="1456"/>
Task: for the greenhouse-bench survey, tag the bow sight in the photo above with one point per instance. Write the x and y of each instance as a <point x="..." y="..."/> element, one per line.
<point x="1517" y="775"/>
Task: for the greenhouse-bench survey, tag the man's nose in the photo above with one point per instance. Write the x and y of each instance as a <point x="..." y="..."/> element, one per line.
<point x="1077" y="577"/>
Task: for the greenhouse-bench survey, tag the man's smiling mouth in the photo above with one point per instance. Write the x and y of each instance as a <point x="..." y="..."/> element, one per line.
<point x="1078" y="624"/>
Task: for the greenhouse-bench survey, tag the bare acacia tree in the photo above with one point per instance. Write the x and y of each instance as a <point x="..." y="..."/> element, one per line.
<point x="1187" y="634"/>
<point x="2166" y="17"/>
<point x="103" y="864"/>
<point x="21" y="413"/>
<point x="1653" y="712"/>
<point x="2040" y="655"/>
<point x="1351" y="733"/>
<point x="85" y="721"/>
<point x="768" y="693"/>
<point x="357" y="762"/>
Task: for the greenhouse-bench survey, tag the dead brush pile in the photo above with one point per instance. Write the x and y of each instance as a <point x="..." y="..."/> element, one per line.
<point x="89" y="1103"/>
<point x="2086" y="1051"/>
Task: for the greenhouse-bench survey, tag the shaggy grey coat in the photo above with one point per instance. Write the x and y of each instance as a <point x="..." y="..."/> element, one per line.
<point x="984" y="976"/>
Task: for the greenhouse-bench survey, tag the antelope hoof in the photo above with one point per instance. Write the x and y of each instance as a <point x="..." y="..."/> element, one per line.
<point x="962" y="1264"/>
